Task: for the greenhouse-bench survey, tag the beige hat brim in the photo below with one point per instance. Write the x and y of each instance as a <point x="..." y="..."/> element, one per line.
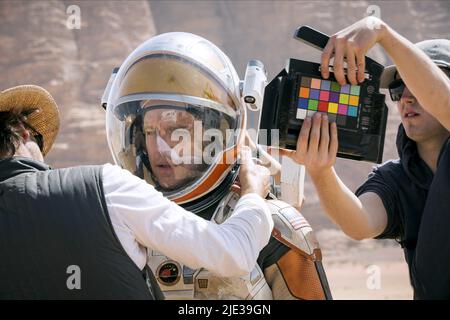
<point x="30" y="97"/>
<point x="387" y="76"/>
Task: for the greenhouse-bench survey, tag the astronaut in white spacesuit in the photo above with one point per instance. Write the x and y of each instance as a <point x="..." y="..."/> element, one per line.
<point x="176" y="117"/>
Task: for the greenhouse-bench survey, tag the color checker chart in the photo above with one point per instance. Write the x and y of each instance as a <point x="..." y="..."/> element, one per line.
<point x="340" y="103"/>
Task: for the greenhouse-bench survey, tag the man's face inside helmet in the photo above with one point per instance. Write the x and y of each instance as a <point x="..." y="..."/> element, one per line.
<point x="174" y="151"/>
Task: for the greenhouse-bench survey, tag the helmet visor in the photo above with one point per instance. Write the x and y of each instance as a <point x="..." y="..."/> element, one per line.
<point x="175" y="143"/>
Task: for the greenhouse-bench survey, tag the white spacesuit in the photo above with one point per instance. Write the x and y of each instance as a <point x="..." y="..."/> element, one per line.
<point x="176" y="117"/>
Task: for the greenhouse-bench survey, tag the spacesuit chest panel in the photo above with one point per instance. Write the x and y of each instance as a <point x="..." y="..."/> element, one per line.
<point x="178" y="281"/>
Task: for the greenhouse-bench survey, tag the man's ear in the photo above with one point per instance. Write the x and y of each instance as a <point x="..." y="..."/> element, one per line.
<point x="25" y="133"/>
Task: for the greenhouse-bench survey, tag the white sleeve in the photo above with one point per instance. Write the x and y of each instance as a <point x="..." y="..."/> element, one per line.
<point x="228" y="249"/>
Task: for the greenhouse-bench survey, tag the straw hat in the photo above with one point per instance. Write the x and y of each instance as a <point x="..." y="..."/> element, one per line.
<point x="46" y="117"/>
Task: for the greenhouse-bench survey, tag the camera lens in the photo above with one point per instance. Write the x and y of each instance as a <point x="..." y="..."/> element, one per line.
<point x="249" y="99"/>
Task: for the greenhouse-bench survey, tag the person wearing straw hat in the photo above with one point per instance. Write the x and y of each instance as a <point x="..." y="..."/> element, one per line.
<point x="60" y="236"/>
<point x="40" y="121"/>
<point x="405" y="199"/>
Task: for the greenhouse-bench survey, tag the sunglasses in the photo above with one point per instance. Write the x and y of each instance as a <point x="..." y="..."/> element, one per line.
<point x="396" y="89"/>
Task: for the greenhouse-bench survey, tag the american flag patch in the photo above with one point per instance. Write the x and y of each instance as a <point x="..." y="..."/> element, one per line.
<point x="296" y="220"/>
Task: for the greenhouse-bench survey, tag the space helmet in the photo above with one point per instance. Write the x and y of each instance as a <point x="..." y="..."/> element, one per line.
<point x="175" y="116"/>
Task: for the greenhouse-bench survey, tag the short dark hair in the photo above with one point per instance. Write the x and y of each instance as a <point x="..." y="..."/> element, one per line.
<point x="10" y="132"/>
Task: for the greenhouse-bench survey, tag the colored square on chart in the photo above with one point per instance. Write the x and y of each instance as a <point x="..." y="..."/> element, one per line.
<point x="310" y="113"/>
<point x="323" y="106"/>
<point x="332" y="117"/>
<point x="351" y="122"/>
<point x="345" y="89"/>
<point x="315" y="83"/>
<point x="332" y="107"/>
<point x="355" y="90"/>
<point x="324" y="95"/>
<point x="353" y="100"/>
<point x="334" y="96"/>
<point x="301" y="114"/>
<point x="343" y="109"/>
<point x="306" y="82"/>
<point x="314" y="94"/>
<point x="303" y="103"/>
<point x="313" y="104"/>
<point x="343" y="98"/>
<point x="325" y="85"/>
<point x="352" y="111"/>
<point x="336" y="87"/>
<point x="304" y="92"/>
<point x="341" y="120"/>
